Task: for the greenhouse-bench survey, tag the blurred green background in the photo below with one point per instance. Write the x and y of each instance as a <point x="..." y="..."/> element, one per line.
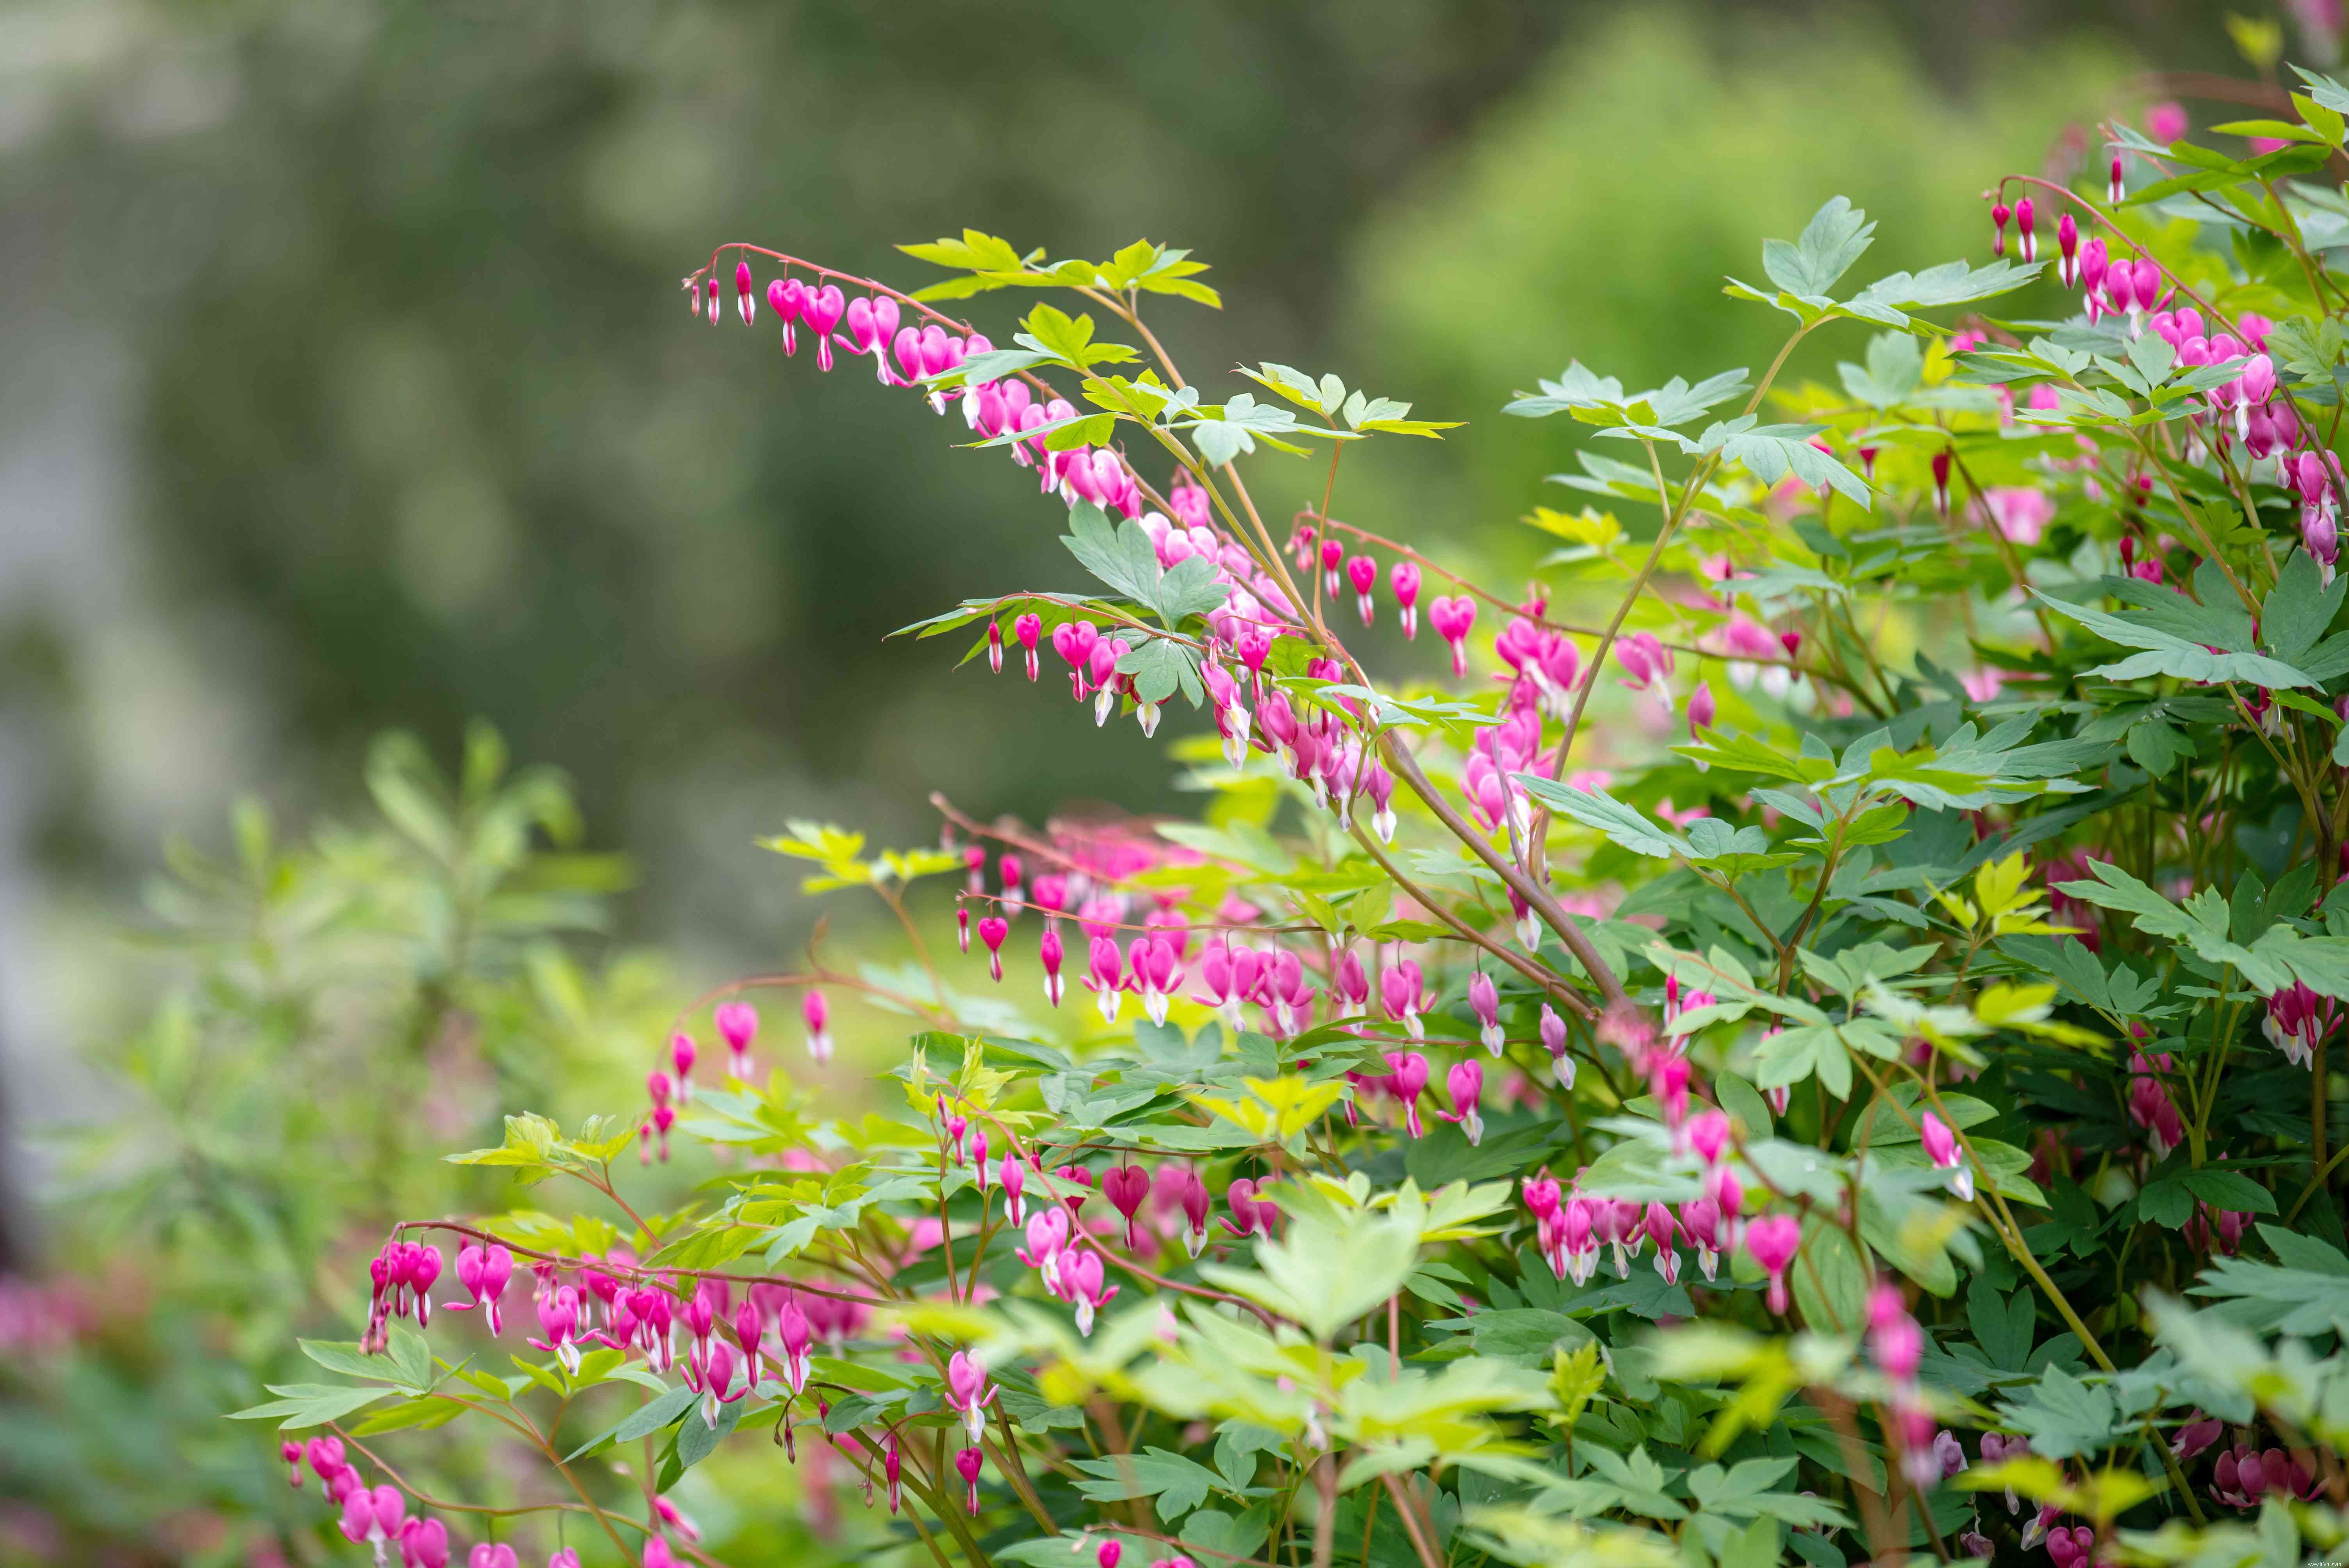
<point x="344" y="385"/>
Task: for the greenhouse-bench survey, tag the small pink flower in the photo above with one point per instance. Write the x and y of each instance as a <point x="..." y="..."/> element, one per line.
<point x="1554" y="1041"/>
<point x="1453" y="619"/>
<point x="1363" y="573"/>
<point x="1049" y="954"/>
<point x="1126" y="1187"/>
<point x="1028" y="629"/>
<point x="1402" y="991"/>
<point x="1942" y="1149"/>
<point x="967" y="1465"/>
<point x="2194" y="1437"/>
<point x="1465" y="1084"/>
<point x="2297" y="1022"/>
<point x="2020" y="514"/>
<point x="1663" y="1229"/>
<point x="1647" y="663"/>
<point x="1403" y="579"/>
<point x="483" y="1272"/>
<point x="1894" y="1338"/>
<point x="1700" y="709"/>
<point x="1081" y="1276"/>
<point x="1407" y="1075"/>
<point x="1708" y="1136"/>
<point x="1105" y="976"/>
<point x="992" y="931"/>
<point x="821" y="309"/>
<point x="737" y="1025"/>
<point x="2073" y="1548"/>
<point x="817" y="1013"/>
<point x="1250" y="1216"/>
<point x="1772" y="1242"/>
<point x="968" y="1393"/>
<point x="1484" y="999"/>
<point x="1700" y="1222"/>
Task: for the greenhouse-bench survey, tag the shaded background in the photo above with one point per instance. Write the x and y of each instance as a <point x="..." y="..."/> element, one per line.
<point x="343" y="382"/>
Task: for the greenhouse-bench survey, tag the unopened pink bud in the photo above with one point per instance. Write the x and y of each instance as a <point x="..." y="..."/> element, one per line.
<point x="1700" y="707"/>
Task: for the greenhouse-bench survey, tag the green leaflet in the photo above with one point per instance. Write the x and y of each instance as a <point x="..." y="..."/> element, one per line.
<point x="2168" y="654"/>
<point x="2280" y="956"/>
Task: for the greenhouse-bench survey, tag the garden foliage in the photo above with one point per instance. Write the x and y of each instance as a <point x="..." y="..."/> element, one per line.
<point x="1805" y="1036"/>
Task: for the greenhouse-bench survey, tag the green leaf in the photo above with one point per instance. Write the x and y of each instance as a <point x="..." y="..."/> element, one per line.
<point x="300" y="1404"/>
<point x="992" y="366"/>
<point x="1122" y="557"/>
<point x="2003" y="1327"/>
<point x="1743" y="1101"/>
<point x="2265" y="1298"/>
<point x="643" y="1421"/>
<point x="1745" y="1492"/>
<point x="1053" y="332"/>
<point x="348" y="1359"/>
<point x="1771" y="452"/>
<point x="2168" y="655"/>
<point x="2165" y="1202"/>
<point x="1748" y="754"/>
<point x="1223" y="1535"/>
<point x="1446" y="1155"/>
<point x="709" y="1247"/>
<point x="2299" y="608"/>
<point x="1793" y="1054"/>
<point x="1324" y="1276"/>
<point x="1175" y="1485"/>
<point x="532" y="1146"/>
<point x="1190" y="589"/>
<point x="1223" y="435"/>
<point x="1087" y="430"/>
<point x="2230" y="1190"/>
<point x="1324" y="396"/>
<point x="1601" y="810"/>
<point x="411" y="1414"/>
<point x="1891" y="297"/>
<point x="697" y="1440"/>
<point x="2157" y="746"/>
<point x="1836" y="237"/>
<point x="1734" y="851"/>
<point x="1525" y="1335"/>
<point x="974" y="251"/>
<point x="1600" y="400"/>
<point x="2064" y="1417"/>
<point x="1159" y="666"/>
<point x="1830" y="1285"/>
<point x="2203" y="923"/>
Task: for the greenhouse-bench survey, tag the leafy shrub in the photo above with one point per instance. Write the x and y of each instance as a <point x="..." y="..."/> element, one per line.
<point x="428" y="960"/>
<point x="1866" y="1091"/>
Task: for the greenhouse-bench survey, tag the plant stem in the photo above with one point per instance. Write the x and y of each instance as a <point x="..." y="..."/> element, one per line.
<point x="1325" y="1515"/>
<point x="1420" y="1543"/>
